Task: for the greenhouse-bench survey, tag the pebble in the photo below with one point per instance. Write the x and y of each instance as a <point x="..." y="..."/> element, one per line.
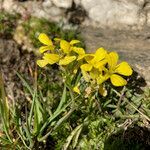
<point x="63" y="3"/>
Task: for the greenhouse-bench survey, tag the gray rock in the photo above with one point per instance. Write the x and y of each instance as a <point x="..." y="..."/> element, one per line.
<point x="7" y="5"/>
<point x="112" y="13"/>
<point x="54" y="11"/>
<point x="88" y="4"/>
<point x="47" y="4"/>
<point x="77" y="2"/>
<point x="63" y="3"/>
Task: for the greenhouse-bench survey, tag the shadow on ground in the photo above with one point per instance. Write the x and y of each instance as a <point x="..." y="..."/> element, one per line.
<point x="134" y="138"/>
<point x="136" y="83"/>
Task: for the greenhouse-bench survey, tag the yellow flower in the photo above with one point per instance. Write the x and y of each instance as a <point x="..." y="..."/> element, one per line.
<point x="48" y="59"/>
<point x="76" y="89"/>
<point x="66" y="47"/>
<point x="67" y="60"/>
<point x="102" y="90"/>
<point x="80" y="51"/>
<point x="94" y="65"/>
<point x="123" y="69"/>
<point x="95" y="61"/>
<point x="43" y="38"/>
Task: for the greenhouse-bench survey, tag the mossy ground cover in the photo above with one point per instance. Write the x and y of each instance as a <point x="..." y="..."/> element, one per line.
<point x="109" y="123"/>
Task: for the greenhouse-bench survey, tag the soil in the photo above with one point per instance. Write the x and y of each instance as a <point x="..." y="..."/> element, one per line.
<point x="13" y="59"/>
<point x="134" y="138"/>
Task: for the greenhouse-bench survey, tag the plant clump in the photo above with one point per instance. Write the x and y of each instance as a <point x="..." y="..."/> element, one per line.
<point x="96" y="68"/>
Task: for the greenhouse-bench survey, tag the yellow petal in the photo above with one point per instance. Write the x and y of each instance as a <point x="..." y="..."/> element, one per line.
<point x="100" y="64"/>
<point x="117" y="80"/>
<point x="102" y="90"/>
<point x="75" y="70"/>
<point x="43" y="38"/>
<point x="87" y="57"/>
<point x="112" y="59"/>
<point x="67" y="60"/>
<point x="124" y="69"/>
<point x="78" y="50"/>
<point x="46" y="48"/>
<point x="76" y="89"/>
<point x="65" y="46"/>
<point x="81" y="57"/>
<point x="51" y="58"/>
<point x="99" y="55"/>
<point x="42" y="63"/>
<point x="86" y="67"/>
<point x="102" y="78"/>
<point x="74" y="42"/>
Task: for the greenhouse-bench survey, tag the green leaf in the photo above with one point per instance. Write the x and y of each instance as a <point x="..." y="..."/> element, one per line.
<point x="38" y="116"/>
<point x="76" y="137"/>
<point x="70" y="137"/>
<point x="63" y="99"/>
<point x="25" y="84"/>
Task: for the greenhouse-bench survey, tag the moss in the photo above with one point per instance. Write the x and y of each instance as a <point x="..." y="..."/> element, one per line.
<point x="34" y="26"/>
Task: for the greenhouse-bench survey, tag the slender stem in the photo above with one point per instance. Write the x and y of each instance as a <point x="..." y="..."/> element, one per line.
<point x="121" y="97"/>
<point x="97" y="102"/>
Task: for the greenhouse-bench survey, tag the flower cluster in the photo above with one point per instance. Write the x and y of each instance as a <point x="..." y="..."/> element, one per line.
<point x="95" y="67"/>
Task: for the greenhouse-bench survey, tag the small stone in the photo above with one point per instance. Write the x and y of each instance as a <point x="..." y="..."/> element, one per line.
<point x="7" y="5"/>
<point x="47" y="4"/>
<point x="88" y="4"/>
<point x="55" y="11"/>
<point x="77" y="2"/>
<point x="63" y="3"/>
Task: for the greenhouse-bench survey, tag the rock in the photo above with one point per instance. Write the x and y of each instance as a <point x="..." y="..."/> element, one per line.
<point x="47" y="4"/>
<point x="148" y="18"/>
<point x="63" y="3"/>
<point x="12" y="6"/>
<point x="54" y="11"/>
<point x="77" y="2"/>
<point x="88" y="4"/>
<point x="112" y="13"/>
<point x="147" y="11"/>
<point x="7" y="5"/>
